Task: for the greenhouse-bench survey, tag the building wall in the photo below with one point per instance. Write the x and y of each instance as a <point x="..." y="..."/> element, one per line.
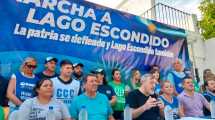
<point x="210" y="54"/>
<point x="196" y="51"/>
<point x="201" y="52"/>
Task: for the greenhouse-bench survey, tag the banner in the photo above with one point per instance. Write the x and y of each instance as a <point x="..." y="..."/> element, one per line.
<point x="81" y="31"/>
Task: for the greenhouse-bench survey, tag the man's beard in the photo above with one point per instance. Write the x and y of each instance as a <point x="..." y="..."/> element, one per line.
<point x="78" y="75"/>
<point x="152" y="92"/>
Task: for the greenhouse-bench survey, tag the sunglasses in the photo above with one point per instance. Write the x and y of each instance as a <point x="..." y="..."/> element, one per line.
<point x="31" y="66"/>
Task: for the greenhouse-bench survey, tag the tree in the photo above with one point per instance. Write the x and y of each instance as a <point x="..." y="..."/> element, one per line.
<point x="207" y="24"/>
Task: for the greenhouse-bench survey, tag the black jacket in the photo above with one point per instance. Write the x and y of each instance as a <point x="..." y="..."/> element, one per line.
<point x="3" y="90"/>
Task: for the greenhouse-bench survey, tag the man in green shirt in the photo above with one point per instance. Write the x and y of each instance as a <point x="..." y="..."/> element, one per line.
<point x="119" y="89"/>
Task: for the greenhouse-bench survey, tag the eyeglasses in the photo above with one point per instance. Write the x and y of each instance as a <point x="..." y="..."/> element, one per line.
<point x="31" y="66"/>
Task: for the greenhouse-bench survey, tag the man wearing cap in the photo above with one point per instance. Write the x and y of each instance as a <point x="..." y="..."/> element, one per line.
<point x="66" y="88"/>
<point x="78" y="71"/>
<point x="103" y="86"/>
<point x="49" y="72"/>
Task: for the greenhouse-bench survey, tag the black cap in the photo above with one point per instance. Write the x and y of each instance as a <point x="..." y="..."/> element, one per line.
<point x="78" y="64"/>
<point x="64" y="62"/>
<point x="48" y="59"/>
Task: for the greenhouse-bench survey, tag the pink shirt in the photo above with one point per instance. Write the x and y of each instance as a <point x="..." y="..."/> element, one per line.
<point x="193" y="105"/>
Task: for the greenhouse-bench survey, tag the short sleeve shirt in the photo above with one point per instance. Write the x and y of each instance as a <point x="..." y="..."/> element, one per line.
<point x="193" y="105"/>
<point x="31" y="109"/>
<point x="98" y="108"/>
<point x="119" y="89"/>
<point x="107" y="90"/>
<point x="135" y="99"/>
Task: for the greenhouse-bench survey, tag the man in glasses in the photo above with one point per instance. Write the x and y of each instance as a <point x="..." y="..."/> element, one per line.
<point x="49" y="72"/>
<point x="21" y="84"/>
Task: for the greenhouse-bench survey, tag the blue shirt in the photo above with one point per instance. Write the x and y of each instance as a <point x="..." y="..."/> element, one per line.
<point x="24" y="86"/>
<point x="157" y="89"/>
<point x="209" y="96"/>
<point x="174" y="103"/>
<point x="176" y="79"/>
<point x="98" y="108"/>
<point x="107" y="90"/>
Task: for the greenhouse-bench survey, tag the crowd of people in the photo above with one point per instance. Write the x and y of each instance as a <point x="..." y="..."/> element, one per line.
<point x="33" y="95"/>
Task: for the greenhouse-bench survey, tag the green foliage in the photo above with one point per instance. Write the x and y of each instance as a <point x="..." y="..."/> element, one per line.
<point x="207" y="24"/>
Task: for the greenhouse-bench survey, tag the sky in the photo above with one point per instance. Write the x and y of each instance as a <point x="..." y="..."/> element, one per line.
<point x="189" y="6"/>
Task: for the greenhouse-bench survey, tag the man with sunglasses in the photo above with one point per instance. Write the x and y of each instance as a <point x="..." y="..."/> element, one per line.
<point x="49" y="72"/>
<point x="22" y="83"/>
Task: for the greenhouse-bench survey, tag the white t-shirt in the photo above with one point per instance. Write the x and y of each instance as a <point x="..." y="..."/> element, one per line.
<point x="65" y="91"/>
<point x="31" y="109"/>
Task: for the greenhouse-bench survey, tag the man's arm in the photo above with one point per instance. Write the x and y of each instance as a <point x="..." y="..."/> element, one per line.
<point x="137" y="112"/>
<point x="113" y="100"/>
<point x="181" y="110"/>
